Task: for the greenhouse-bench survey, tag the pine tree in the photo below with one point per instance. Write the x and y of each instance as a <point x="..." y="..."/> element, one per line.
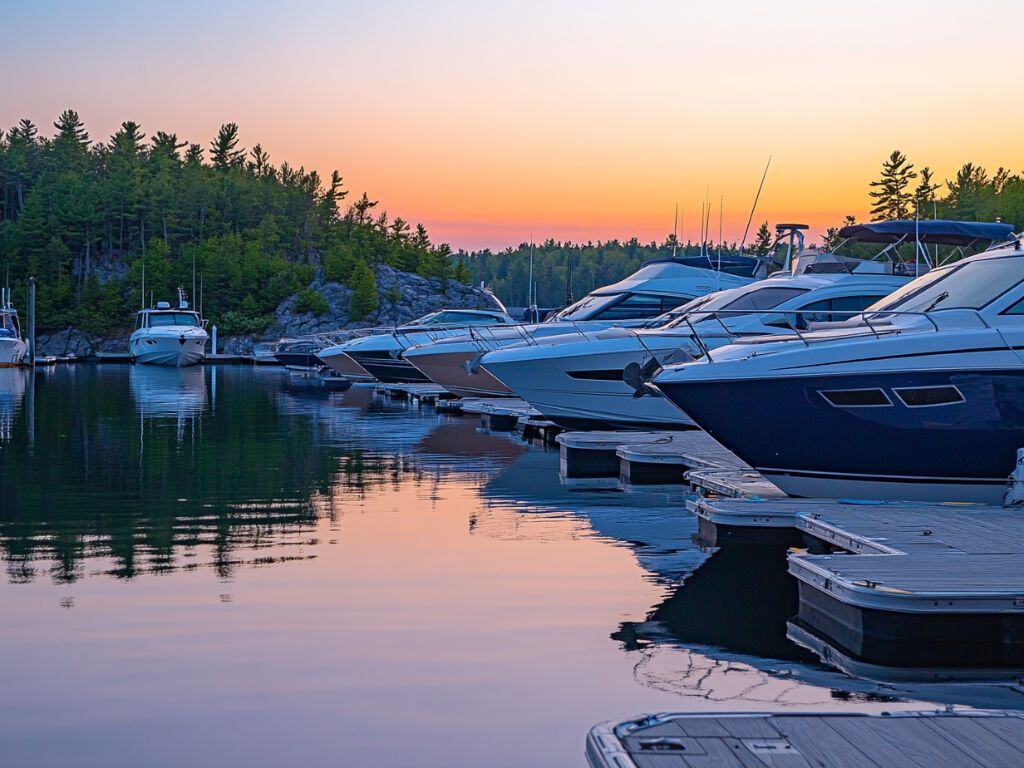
<point x="763" y="241"/>
<point x="364" y="292"/>
<point x="166" y="146"/>
<point x="224" y="151"/>
<point x="462" y="273"/>
<point x="889" y="193"/>
<point x="924" y="195"/>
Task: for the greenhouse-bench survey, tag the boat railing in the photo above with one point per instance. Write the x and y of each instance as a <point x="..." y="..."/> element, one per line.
<point x="876" y="322"/>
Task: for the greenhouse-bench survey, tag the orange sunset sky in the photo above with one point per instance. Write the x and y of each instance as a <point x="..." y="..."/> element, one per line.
<point x="492" y="121"/>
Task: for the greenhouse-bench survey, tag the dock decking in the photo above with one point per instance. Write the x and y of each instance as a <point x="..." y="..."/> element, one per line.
<point x="919" y="584"/>
<point x="648" y="456"/>
<point x="974" y="739"/>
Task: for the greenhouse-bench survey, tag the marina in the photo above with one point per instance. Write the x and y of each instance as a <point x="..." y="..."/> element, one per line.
<point x="890" y="604"/>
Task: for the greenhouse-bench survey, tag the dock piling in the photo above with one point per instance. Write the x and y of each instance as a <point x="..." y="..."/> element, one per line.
<point x="32" y="321"/>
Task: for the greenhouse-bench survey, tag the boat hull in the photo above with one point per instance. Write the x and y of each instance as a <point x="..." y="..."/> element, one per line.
<point x="168" y="350"/>
<point x="345" y="365"/>
<point x="458" y="373"/>
<point x="787" y="429"/>
<point x="12" y="352"/>
<point x="297" y="359"/>
<point x="389" y="370"/>
<point x="583" y="389"/>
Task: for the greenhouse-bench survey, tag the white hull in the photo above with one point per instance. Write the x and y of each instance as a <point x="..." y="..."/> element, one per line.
<point x="153" y="349"/>
<point x="12" y="352"/>
<point x="852" y="488"/>
<point x="542" y="376"/>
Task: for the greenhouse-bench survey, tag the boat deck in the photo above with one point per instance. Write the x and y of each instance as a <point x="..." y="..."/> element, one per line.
<point x="975" y="739"/>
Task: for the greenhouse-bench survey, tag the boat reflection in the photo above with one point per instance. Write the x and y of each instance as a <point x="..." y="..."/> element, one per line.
<point x="13" y="383"/>
<point x="169" y="392"/>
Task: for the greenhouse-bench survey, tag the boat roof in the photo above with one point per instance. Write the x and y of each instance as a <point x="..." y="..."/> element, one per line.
<point x="665" y="276"/>
<point x="931" y="231"/>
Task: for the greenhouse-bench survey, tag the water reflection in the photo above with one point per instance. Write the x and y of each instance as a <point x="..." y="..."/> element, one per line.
<point x="271" y="570"/>
<point x="12" y="393"/>
<point x="164" y="392"/>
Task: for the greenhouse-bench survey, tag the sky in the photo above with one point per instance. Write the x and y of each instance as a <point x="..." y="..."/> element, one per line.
<point x="494" y="122"/>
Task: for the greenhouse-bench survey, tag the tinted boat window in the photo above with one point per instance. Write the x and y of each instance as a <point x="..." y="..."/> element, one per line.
<point x="637" y="306"/>
<point x="970" y="285"/>
<point x="919" y="397"/>
<point x="762" y="298"/>
<point x="856" y="398"/>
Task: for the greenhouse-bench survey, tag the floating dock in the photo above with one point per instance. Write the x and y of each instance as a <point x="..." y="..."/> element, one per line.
<point x="900" y="584"/>
<point x="943" y="739"/>
<point x="641" y="457"/>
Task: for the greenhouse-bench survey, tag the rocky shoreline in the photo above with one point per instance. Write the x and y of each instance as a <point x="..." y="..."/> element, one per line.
<point x="402" y="297"/>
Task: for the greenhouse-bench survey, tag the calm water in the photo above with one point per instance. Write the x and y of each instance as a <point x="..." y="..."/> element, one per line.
<point x="204" y="567"/>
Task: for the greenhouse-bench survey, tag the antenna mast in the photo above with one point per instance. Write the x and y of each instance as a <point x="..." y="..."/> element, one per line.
<point x="753" y="208"/>
<point x="675" y="232"/>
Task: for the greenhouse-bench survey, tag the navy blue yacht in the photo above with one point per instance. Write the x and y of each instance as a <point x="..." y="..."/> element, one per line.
<point x="921" y="396"/>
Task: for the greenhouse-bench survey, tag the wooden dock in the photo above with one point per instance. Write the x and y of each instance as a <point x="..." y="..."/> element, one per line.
<point x="942" y="739"/>
<point x="901" y="584"/>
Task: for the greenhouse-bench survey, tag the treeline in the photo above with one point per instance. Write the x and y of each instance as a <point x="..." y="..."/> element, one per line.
<point x="83" y="217"/>
<point x="899" y="192"/>
<point x="592" y="265"/>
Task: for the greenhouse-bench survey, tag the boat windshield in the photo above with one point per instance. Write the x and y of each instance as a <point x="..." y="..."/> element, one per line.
<point x="968" y="285"/>
<point x="767" y="297"/>
<point x="158" y="319"/>
<point x="584" y="308"/>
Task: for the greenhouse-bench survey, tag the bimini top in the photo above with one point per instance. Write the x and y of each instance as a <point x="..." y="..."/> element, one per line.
<point x="931" y="231"/>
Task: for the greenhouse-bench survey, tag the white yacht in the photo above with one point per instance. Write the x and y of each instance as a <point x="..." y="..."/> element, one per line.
<point x="168" y="336"/>
<point x="380" y="352"/>
<point x="12" y="346"/>
<point x="918" y="397"/>
<point x="595" y="380"/>
<point x="654" y="289"/>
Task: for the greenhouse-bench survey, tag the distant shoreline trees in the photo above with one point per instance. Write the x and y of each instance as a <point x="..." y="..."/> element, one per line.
<point x="83" y="217"/>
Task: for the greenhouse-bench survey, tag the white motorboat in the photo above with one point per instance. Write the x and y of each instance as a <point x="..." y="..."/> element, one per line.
<point x="654" y="289"/>
<point x="168" y="336"/>
<point x="593" y="380"/>
<point x="918" y="397"/>
<point x="12" y="346"/>
<point x="380" y="352"/>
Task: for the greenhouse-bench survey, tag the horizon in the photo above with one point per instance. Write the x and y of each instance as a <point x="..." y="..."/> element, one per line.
<point x="463" y="118"/>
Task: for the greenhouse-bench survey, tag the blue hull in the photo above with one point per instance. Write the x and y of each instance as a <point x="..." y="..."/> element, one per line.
<point x="790" y="432"/>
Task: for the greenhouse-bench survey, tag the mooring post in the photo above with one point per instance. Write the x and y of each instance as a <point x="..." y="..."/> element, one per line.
<point x="215" y="340"/>
<point x="32" y="321"/>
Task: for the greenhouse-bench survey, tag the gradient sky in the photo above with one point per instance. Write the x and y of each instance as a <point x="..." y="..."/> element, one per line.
<point x="493" y="121"/>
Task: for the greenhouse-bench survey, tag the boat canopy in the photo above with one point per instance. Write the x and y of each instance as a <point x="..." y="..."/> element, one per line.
<point x="930" y="231"/>
<point x="744" y="266"/>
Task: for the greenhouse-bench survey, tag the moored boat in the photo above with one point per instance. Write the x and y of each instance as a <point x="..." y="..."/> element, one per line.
<point x="168" y="336"/>
<point x="657" y="287"/>
<point x="12" y="345"/>
<point x="918" y="397"/>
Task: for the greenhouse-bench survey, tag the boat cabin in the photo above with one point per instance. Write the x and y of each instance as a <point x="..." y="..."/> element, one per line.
<point x="9" y="326"/>
<point x="163" y="315"/>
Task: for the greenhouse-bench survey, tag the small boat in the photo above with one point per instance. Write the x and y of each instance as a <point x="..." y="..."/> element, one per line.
<point x="657" y="287"/>
<point x="12" y="346"/>
<point x="299" y="352"/>
<point x="918" y="397"/>
<point x="168" y="336"/>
